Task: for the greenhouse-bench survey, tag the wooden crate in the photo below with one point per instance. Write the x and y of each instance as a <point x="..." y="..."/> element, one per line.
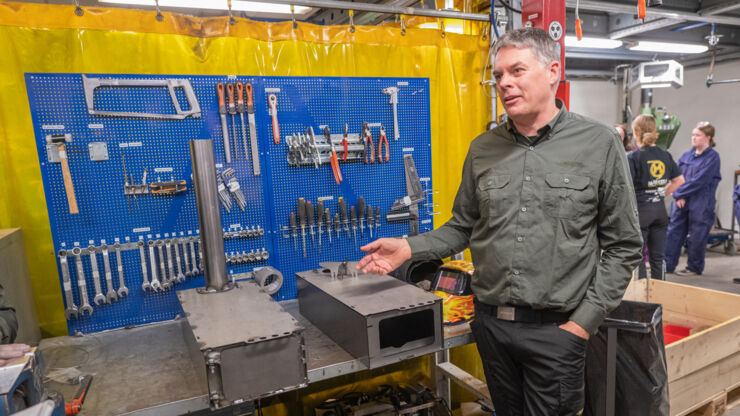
<point x="705" y="366"/>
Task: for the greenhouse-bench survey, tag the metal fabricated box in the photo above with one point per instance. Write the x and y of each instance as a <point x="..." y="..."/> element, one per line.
<point x="377" y="319"/>
<point x="251" y="346"/>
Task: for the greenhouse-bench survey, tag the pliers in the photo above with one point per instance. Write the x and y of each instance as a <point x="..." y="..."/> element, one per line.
<point x="334" y="160"/>
<point x="345" y="143"/>
<point x="383" y="139"/>
<point x="367" y="142"/>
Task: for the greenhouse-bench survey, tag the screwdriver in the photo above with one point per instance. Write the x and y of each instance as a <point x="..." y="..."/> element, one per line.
<point x="309" y="214"/>
<point x="222" y="114"/>
<point x="377" y="220"/>
<point x="294" y="230"/>
<point x="327" y="218"/>
<point x="361" y="214"/>
<point x="302" y="218"/>
<point x="232" y="111"/>
<point x="369" y="212"/>
<point x="337" y="224"/>
<point x="320" y="217"/>
<point x="241" y="109"/>
<point x="343" y="211"/>
<point x="353" y="214"/>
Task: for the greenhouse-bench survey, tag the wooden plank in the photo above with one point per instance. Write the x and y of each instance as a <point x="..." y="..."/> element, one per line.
<point x="707" y="304"/>
<point x="699" y="388"/>
<point x="636" y="290"/>
<point x="699" y="350"/>
<point x="467" y="381"/>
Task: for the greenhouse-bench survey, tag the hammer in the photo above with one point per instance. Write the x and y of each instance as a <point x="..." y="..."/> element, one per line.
<point x="60" y="140"/>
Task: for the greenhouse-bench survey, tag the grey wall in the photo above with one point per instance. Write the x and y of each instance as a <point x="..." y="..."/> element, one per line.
<point x="692" y="103"/>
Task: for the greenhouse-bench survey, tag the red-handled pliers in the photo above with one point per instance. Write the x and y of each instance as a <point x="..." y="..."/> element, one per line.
<point x="368" y="146"/>
<point x="383" y="139"/>
<point x="345" y="144"/>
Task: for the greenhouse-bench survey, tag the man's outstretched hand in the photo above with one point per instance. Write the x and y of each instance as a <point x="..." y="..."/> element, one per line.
<point x="10" y="351"/>
<point x="385" y="255"/>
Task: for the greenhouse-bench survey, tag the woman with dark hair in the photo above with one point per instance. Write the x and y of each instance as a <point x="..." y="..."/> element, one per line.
<point x="695" y="200"/>
<point x="655" y="175"/>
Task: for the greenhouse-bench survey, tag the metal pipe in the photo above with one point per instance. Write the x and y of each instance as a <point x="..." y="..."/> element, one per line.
<point x="379" y="8"/>
<point x="209" y="215"/>
<point x="609" y="7"/>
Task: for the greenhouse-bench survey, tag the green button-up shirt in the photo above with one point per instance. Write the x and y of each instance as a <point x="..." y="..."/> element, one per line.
<point x="551" y="225"/>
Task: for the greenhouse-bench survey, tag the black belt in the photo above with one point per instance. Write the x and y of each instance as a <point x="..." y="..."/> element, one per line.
<point x="522" y="314"/>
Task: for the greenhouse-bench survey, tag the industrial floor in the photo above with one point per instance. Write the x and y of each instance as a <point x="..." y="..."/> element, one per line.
<point x="719" y="270"/>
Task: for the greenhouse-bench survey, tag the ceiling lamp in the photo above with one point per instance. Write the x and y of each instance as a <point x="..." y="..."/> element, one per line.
<point x="665" y="47"/>
<point x="237" y="5"/>
<point x="592" y="43"/>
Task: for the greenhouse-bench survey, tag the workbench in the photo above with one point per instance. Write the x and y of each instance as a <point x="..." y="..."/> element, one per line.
<point x="155" y="369"/>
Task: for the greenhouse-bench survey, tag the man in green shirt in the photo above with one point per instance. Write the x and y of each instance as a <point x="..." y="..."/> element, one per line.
<point x="547" y="208"/>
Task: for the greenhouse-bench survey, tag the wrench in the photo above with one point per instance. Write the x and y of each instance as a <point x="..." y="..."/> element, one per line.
<point x="99" y="298"/>
<point x="71" y="310"/>
<point x="176" y="246"/>
<point x="81" y="284"/>
<point x="153" y="262"/>
<point x="142" y="258"/>
<point x="163" y="272"/>
<point x="122" y="289"/>
<point x="200" y="255"/>
<point x="111" y="295"/>
<point x="170" y="266"/>
<point x="188" y="271"/>
<point x="195" y="270"/>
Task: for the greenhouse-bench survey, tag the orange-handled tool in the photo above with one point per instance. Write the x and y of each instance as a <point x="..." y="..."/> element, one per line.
<point x="222" y="113"/>
<point x="641" y="10"/>
<point x="345" y="143"/>
<point x="252" y="129"/>
<point x="368" y="146"/>
<point x="579" y="29"/>
<point x="383" y="140"/>
<point x="75" y="406"/>
<point x="334" y="160"/>
<point x="240" y="109"/>
<point x="272" y="100"/>
<point x="230" y="93"/>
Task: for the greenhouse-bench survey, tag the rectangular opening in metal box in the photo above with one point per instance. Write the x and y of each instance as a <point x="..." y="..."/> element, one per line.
<point x="399" y="331"/>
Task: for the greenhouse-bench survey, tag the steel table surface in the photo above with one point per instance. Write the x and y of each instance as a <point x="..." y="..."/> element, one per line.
<point x="157" y="369"/>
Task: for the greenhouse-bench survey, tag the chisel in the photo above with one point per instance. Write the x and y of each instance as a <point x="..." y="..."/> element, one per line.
<point x="252" y="130"/>
<point x="222" y="113"/>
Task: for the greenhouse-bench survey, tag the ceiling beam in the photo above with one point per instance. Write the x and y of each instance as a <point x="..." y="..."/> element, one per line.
<point x="719" y="8"/>
<point x="613" y="56"/>
<point x="607" y="7"/>
<point x="648" y="26"/>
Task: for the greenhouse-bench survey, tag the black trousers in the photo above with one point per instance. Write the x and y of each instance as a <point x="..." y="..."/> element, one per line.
<point x="654" y="225"/>
<point x="532" y="369"/>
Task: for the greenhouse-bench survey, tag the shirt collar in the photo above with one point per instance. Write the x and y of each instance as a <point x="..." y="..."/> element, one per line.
<point x="547" y="127"/>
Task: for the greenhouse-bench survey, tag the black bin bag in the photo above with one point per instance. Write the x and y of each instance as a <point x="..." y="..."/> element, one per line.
<point x="626" y="371"/>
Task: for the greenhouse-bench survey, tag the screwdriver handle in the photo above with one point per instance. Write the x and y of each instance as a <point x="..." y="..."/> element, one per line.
<point x="221" y="102"/>
<point x="377" y="215"/>
<point x="337" y="223"/>
<point x="327" y="218"/>
<point x="309" y="213"/>
<point x="293" y="226"/>
<point x="302" y="211"/>
<point x="250" y="103"/>
<point x="319" y="209"/>
<point x="343" y="208"/>
<point x="230" y="93"/>
<point x="353" y="214"/>
<point x="240" y="96"/>
<point x="369" y="213"/>
<point x="361" y="207"/>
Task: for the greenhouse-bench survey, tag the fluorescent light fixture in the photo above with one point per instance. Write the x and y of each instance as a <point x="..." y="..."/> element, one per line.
<point x="236" y="5"/>
<point x="658" y="85"/>
<point x="449" y="27"/>
<point x="593" y="43"/>
<point x="666" y="47"/>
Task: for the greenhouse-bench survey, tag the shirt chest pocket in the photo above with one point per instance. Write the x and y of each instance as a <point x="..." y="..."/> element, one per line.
<point x="494" y="194"/>
<point x="567" y="196"/>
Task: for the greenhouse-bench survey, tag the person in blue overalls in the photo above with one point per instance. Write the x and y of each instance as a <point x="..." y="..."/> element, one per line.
<point x="695" y="200"/>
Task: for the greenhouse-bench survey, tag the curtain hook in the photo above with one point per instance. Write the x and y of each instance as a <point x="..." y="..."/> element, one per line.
<point x="78" y="9"/>
<point x="442" y="27"/>
<point x="159" y="15"/>
<point x="403" y="26"/>
<point x="232" y="21"/>
<point x="351" y="21"/>
<point x="485" y="32"/>
<point x="292" y="16"/>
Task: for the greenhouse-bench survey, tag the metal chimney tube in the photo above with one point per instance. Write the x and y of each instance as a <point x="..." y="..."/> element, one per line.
<point x="209" y="215"/>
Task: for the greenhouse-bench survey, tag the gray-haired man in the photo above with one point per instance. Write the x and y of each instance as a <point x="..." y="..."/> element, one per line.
<point x="547" y="208"/>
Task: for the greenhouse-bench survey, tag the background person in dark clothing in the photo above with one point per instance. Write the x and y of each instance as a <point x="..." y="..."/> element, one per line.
<point x="655" y="175"/>
<point x="8" y="332"/>
<point x="695" y="200"/>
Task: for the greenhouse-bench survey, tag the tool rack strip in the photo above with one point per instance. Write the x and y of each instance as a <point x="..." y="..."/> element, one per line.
<point x="126" y="143"/>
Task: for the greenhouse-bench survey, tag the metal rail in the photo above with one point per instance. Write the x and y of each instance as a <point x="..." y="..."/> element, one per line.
<point x="379" y="8"/>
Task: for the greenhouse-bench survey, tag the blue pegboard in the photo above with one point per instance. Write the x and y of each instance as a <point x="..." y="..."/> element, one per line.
<point x="161" y="147"/>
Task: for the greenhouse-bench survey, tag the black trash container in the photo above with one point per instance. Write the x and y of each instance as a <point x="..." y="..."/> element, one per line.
<point x="626" y="372"/>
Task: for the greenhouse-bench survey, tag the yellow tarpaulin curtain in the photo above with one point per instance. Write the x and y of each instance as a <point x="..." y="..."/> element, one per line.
<point x="51" y="38"/>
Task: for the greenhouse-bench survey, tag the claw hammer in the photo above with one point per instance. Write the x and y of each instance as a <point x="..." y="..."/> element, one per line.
<point x="60" y="140"/>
